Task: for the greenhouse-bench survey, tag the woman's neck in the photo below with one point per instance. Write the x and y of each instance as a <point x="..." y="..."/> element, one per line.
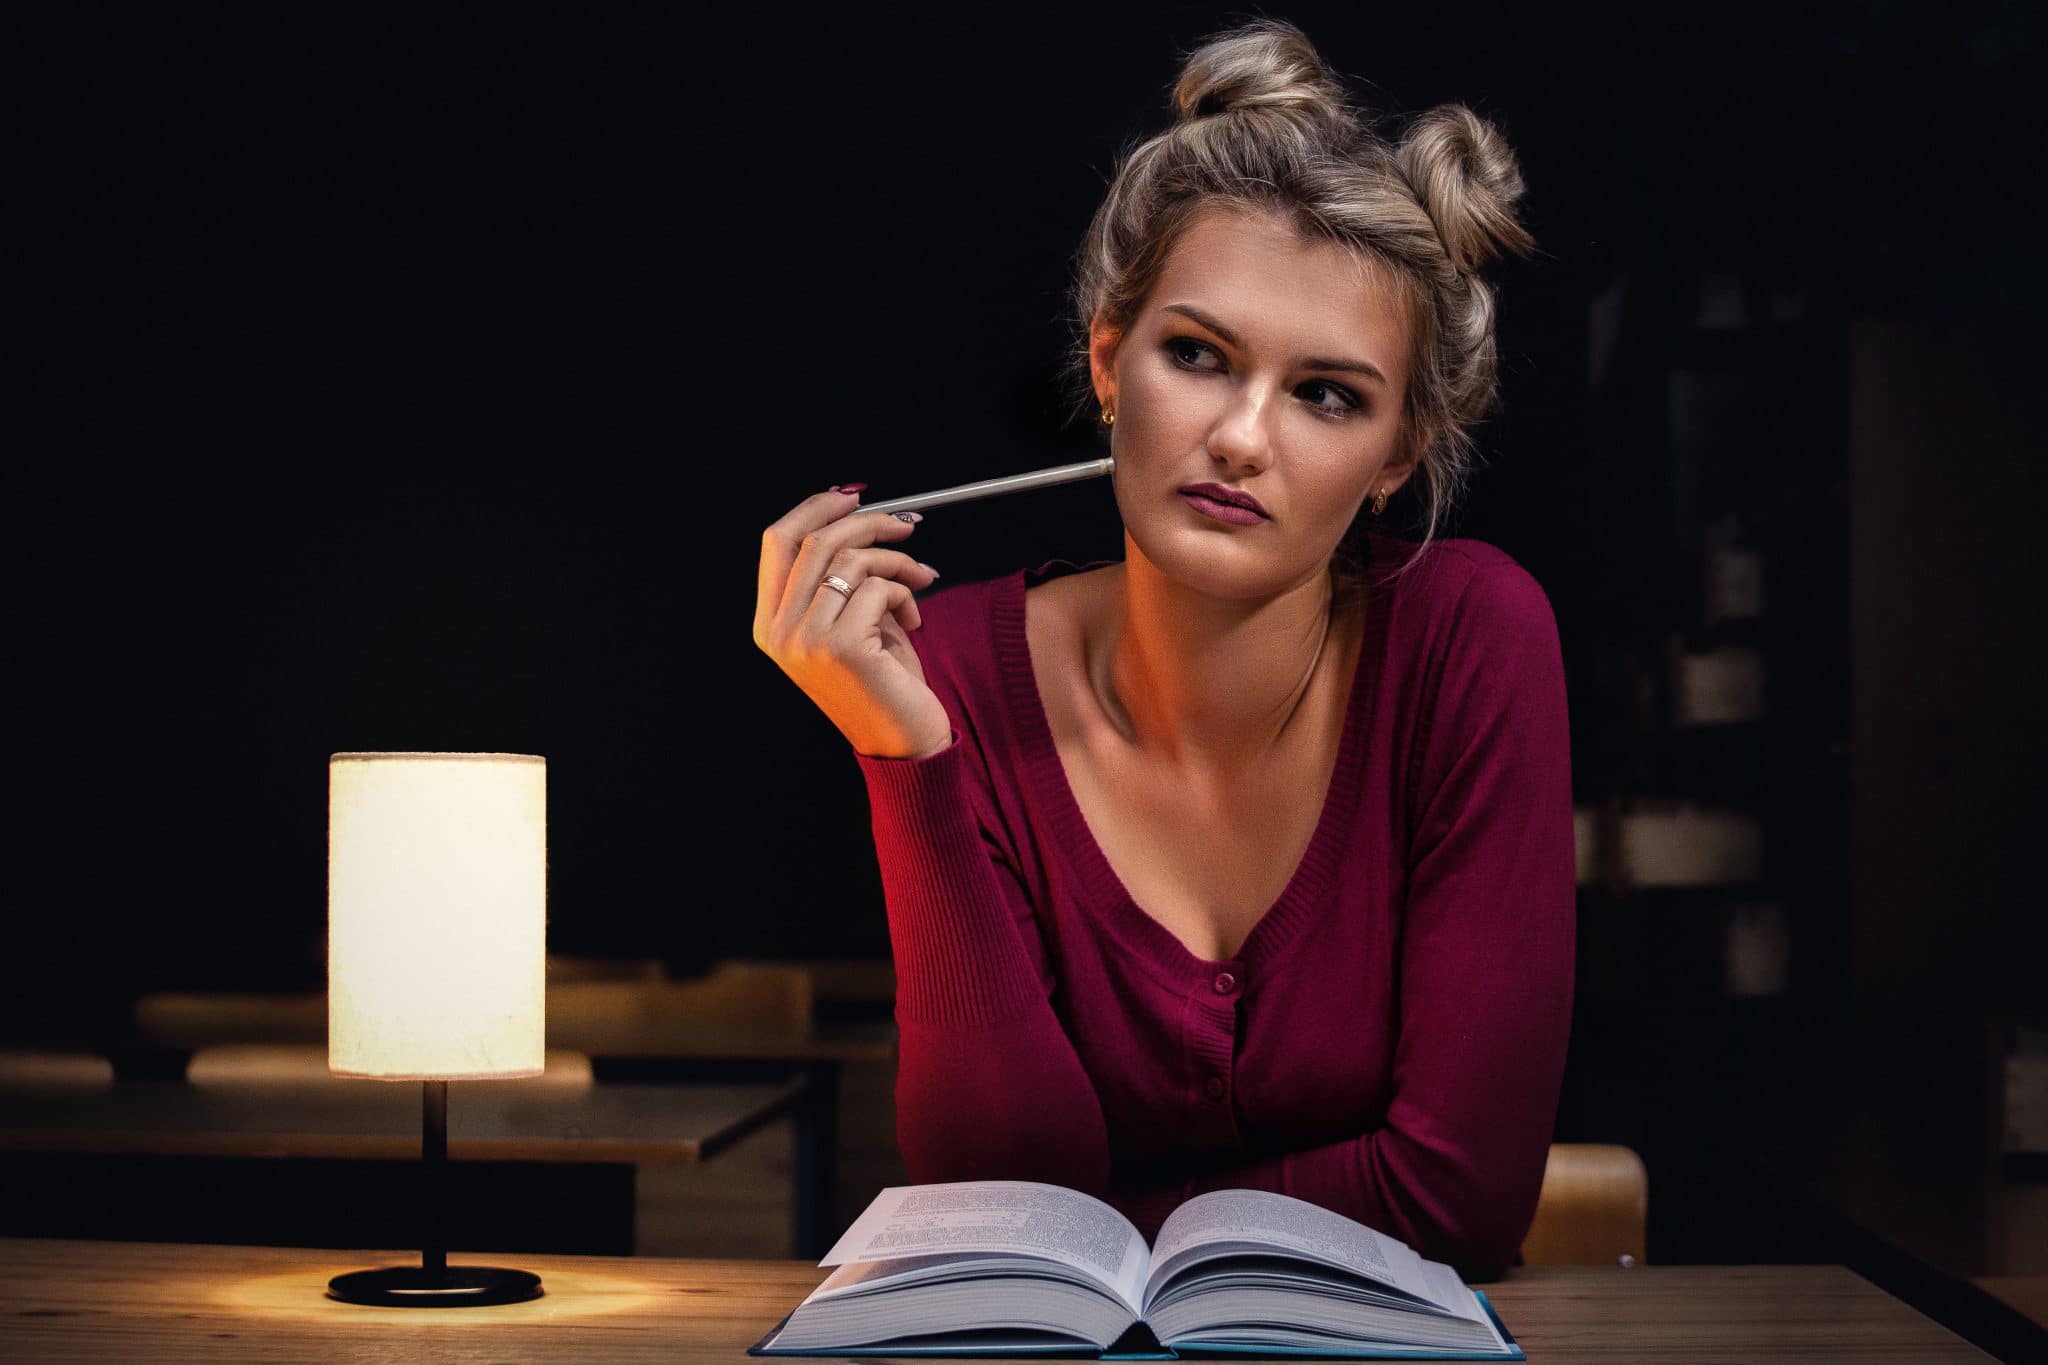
<point x="1203" y="684"/>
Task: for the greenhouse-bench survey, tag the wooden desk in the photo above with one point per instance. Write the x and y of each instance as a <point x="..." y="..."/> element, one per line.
<point x="65" y="1300"/>
<point x="118" y="1143"/>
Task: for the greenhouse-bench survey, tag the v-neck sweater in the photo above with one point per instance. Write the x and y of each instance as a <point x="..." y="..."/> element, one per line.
<point x="1387" y="1042"/>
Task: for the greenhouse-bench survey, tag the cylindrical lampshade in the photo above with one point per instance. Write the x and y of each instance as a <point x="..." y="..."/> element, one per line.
<point x="436" y="915"/>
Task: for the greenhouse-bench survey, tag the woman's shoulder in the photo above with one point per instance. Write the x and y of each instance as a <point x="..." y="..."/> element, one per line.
<point x="1464" y="605"/>
<point x="1459" y="579"/>
<point x="963" y="627"/>
<point x="954" y="623"/>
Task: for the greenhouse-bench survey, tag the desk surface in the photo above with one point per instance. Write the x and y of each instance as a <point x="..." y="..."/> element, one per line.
<point x="356" y="1119"/>
<point x="66" y="1300"/>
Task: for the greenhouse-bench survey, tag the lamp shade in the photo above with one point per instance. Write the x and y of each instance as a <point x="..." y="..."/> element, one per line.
<point x="436" y="915"/>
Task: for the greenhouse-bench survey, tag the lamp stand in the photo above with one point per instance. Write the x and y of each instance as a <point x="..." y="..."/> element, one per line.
<point x="433" y="1283"/>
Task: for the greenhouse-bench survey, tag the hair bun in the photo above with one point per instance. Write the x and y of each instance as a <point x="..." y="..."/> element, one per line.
<point x="1467" y="180"/>
<point x="1267" y="64"/>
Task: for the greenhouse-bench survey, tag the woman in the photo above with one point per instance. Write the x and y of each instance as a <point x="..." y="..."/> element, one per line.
<point x="1245" y="861"/>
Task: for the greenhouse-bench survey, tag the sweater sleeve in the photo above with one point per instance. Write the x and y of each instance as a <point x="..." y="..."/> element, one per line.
<point x="1487" y="950"/>
<point x="988" y="1085"/>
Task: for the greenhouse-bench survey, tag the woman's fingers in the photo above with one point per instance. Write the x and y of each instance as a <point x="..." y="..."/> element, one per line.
<point x="852" y="566"/>
<point x="780" y="544"/>
<point x="816" y="552"/>
<point x="850" y="650"/>
<point x="876" y="596"/>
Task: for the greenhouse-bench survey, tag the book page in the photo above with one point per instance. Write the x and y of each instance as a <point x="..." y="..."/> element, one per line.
<point x="1021" y="1217"/>
<point x="1446" y="1288"/>
<point x="1294" y="1226"/>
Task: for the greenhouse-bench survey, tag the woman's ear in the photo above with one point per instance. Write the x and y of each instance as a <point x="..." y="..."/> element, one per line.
<point x="1406" y="459"/>
<point x="1102" y="344"/>
<point x="1394" y="475"/>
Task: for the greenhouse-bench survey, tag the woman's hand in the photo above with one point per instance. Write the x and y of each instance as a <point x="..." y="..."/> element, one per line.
<point x="850" y="655"/>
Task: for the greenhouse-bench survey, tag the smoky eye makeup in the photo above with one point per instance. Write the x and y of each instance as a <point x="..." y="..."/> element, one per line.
<point x="1176" y="352"/>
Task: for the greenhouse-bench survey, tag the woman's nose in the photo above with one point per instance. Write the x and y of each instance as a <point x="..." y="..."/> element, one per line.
<point x="1240" y="438"/>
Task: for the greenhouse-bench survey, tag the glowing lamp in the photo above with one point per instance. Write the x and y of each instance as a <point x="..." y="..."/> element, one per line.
<point x="436" y="962"/>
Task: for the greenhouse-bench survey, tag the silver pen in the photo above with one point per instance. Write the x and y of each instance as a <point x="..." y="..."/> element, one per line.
<point x="989" y="488"/>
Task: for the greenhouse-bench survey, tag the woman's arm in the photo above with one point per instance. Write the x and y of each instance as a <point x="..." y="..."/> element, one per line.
<point x="988" y="1085"/>
<point x="1486" y="969"/>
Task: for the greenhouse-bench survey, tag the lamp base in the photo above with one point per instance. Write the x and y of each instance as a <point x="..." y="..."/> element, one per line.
<point x="412" y="1286"/>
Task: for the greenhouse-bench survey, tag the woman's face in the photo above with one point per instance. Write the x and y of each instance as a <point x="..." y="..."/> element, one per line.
<point x="1265" y="363"/>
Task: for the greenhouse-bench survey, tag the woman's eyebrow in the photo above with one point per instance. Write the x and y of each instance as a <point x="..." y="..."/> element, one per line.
<point x="1306" y="362"/>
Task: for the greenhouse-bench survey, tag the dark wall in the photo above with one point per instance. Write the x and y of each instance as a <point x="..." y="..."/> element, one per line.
<point x="1949" y="733"/>
<point x="424" y="381"/>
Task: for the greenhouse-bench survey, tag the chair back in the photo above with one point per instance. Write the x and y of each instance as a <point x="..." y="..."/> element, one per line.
<point x="1594" y="1208"/>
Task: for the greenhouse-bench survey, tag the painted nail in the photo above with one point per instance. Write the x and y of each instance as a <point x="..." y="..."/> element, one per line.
<point x="912" y="517"/>
<point x="849" y="487"/>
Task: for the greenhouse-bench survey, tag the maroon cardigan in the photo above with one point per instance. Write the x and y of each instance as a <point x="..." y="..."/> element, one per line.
<point x="1389" y="1042"/>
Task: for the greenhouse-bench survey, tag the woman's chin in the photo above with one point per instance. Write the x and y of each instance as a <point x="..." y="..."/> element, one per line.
<point x="1224" y="566"/>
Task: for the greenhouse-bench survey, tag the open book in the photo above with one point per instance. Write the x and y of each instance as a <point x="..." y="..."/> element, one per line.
<point x="1010" y="1267"/>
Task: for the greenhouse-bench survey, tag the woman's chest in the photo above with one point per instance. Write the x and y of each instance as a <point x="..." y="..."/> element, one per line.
<point x="1205" y="860"/>
<point x="1206" y="857"/>
<point x="1294" y="1051"/>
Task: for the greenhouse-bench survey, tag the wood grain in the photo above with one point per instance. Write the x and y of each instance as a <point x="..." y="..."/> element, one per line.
<point x="65" y="1300"/>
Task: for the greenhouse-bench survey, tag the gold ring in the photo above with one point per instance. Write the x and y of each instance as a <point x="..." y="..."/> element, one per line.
<point x="839" y="585"/>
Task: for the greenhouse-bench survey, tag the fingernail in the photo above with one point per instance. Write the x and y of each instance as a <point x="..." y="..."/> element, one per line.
<point x="849" y="487"/>
<point x="929" y="569"/>
<point x="908" y="516"/>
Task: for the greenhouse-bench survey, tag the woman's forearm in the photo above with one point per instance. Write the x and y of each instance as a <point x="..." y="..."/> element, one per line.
<point x="988" y="1085"/>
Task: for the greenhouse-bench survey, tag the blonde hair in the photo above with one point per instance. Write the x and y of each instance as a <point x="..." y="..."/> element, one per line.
<point x="1263" y="124"/>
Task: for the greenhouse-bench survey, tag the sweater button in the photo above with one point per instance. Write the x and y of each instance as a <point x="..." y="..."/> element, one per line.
<point x="1215" y="1087"/>
<point x="1224" y="983"/>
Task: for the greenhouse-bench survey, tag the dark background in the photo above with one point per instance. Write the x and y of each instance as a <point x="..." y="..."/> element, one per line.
<point x="424" y="380"/>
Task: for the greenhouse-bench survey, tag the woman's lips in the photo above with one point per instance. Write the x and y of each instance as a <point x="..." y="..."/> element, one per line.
<point x="1222" y="511"/>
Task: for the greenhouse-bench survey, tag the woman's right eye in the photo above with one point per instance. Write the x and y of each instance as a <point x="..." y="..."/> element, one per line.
<point x="1177" y="348"/>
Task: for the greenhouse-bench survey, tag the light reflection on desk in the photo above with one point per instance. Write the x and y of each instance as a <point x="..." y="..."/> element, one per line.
<point x="301" y="1295"/>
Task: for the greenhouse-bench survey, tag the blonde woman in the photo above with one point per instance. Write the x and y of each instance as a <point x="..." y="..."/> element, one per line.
<point x="1245" y="860"/>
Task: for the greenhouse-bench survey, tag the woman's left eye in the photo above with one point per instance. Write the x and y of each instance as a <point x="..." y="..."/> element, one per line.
<point x="1350" y="402"/>
<point x="1178" y="348"/>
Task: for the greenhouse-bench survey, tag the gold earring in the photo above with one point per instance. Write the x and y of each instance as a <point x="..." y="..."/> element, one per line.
<point x="1108" y="418"/>
<point x="1379" y="504"/>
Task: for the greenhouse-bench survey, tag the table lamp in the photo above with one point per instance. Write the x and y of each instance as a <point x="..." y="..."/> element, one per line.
<point x="436" y="963"/>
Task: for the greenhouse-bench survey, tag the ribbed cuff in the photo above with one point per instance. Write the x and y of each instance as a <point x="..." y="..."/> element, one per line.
<point x="958" y="957"/>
